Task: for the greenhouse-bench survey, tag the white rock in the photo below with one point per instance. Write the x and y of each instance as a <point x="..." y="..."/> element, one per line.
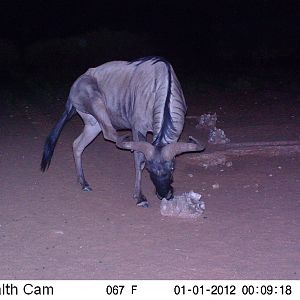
<point x="188" y="205"/>
<point x="215" y="186"/>
<point x="229" y="164"/>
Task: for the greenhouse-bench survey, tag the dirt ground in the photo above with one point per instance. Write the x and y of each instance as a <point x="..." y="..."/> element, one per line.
<point x="50" y="229"/>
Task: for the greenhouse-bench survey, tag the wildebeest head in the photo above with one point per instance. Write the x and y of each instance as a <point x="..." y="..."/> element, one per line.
<point x="160" y="160"/>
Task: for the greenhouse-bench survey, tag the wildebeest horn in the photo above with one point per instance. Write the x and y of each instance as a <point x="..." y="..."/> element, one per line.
<point x="146" y="148"/>
<point x="171" y="150"/>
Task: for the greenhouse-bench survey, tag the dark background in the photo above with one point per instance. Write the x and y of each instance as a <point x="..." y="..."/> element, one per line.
<point x="236" y="58"/>
<point x="204" y="40"/>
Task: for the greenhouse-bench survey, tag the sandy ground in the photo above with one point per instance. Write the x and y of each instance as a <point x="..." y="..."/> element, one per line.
<point x="50" y="229"/>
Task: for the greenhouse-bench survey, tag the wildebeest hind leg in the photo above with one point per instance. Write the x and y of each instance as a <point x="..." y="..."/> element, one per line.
<point x="90" y="131"/>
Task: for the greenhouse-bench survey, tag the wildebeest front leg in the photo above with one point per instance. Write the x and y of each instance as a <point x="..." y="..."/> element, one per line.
<point x="139" y="161"/>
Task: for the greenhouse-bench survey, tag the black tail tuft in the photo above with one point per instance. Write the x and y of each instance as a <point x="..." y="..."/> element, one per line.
<point x="48" y="151"/>
<point x="51" y="140"/>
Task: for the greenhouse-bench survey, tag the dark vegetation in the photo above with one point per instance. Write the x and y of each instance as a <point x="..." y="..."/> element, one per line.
<point x="39" y="73"/>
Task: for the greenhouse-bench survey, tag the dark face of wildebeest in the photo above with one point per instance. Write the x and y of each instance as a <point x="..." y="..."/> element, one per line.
<point x="160" y="161"/>
<point x="161" y="174"/>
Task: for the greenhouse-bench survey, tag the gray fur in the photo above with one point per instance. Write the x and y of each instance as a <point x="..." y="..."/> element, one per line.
<point x="143" y="96"/>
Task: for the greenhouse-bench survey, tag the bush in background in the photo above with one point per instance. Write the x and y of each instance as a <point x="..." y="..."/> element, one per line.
<point x="78" y="53"/>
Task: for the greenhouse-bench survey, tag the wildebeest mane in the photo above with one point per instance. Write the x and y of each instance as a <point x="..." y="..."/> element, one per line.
<point x="167" y="130"/>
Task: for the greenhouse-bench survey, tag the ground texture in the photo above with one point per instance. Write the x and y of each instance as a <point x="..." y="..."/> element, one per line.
<point x="50" y="229"/>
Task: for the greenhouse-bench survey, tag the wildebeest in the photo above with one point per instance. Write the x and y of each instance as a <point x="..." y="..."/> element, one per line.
<point x="143" y="95"/>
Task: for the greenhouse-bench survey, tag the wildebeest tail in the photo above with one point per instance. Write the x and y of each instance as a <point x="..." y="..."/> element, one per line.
<point x="52" y="138"/>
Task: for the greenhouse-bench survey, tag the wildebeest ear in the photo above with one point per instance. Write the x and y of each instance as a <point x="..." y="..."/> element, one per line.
<point x="146" y="148"/>
<point x="171" y="150"/>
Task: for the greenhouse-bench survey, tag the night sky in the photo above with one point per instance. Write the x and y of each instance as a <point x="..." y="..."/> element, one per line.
<point x="202" y="31"/>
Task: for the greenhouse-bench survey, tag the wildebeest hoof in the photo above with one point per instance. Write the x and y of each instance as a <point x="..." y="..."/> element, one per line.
<point x="144" y="204"/>
<point x="87" y="188"/>
<point x="141" y="201"/>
